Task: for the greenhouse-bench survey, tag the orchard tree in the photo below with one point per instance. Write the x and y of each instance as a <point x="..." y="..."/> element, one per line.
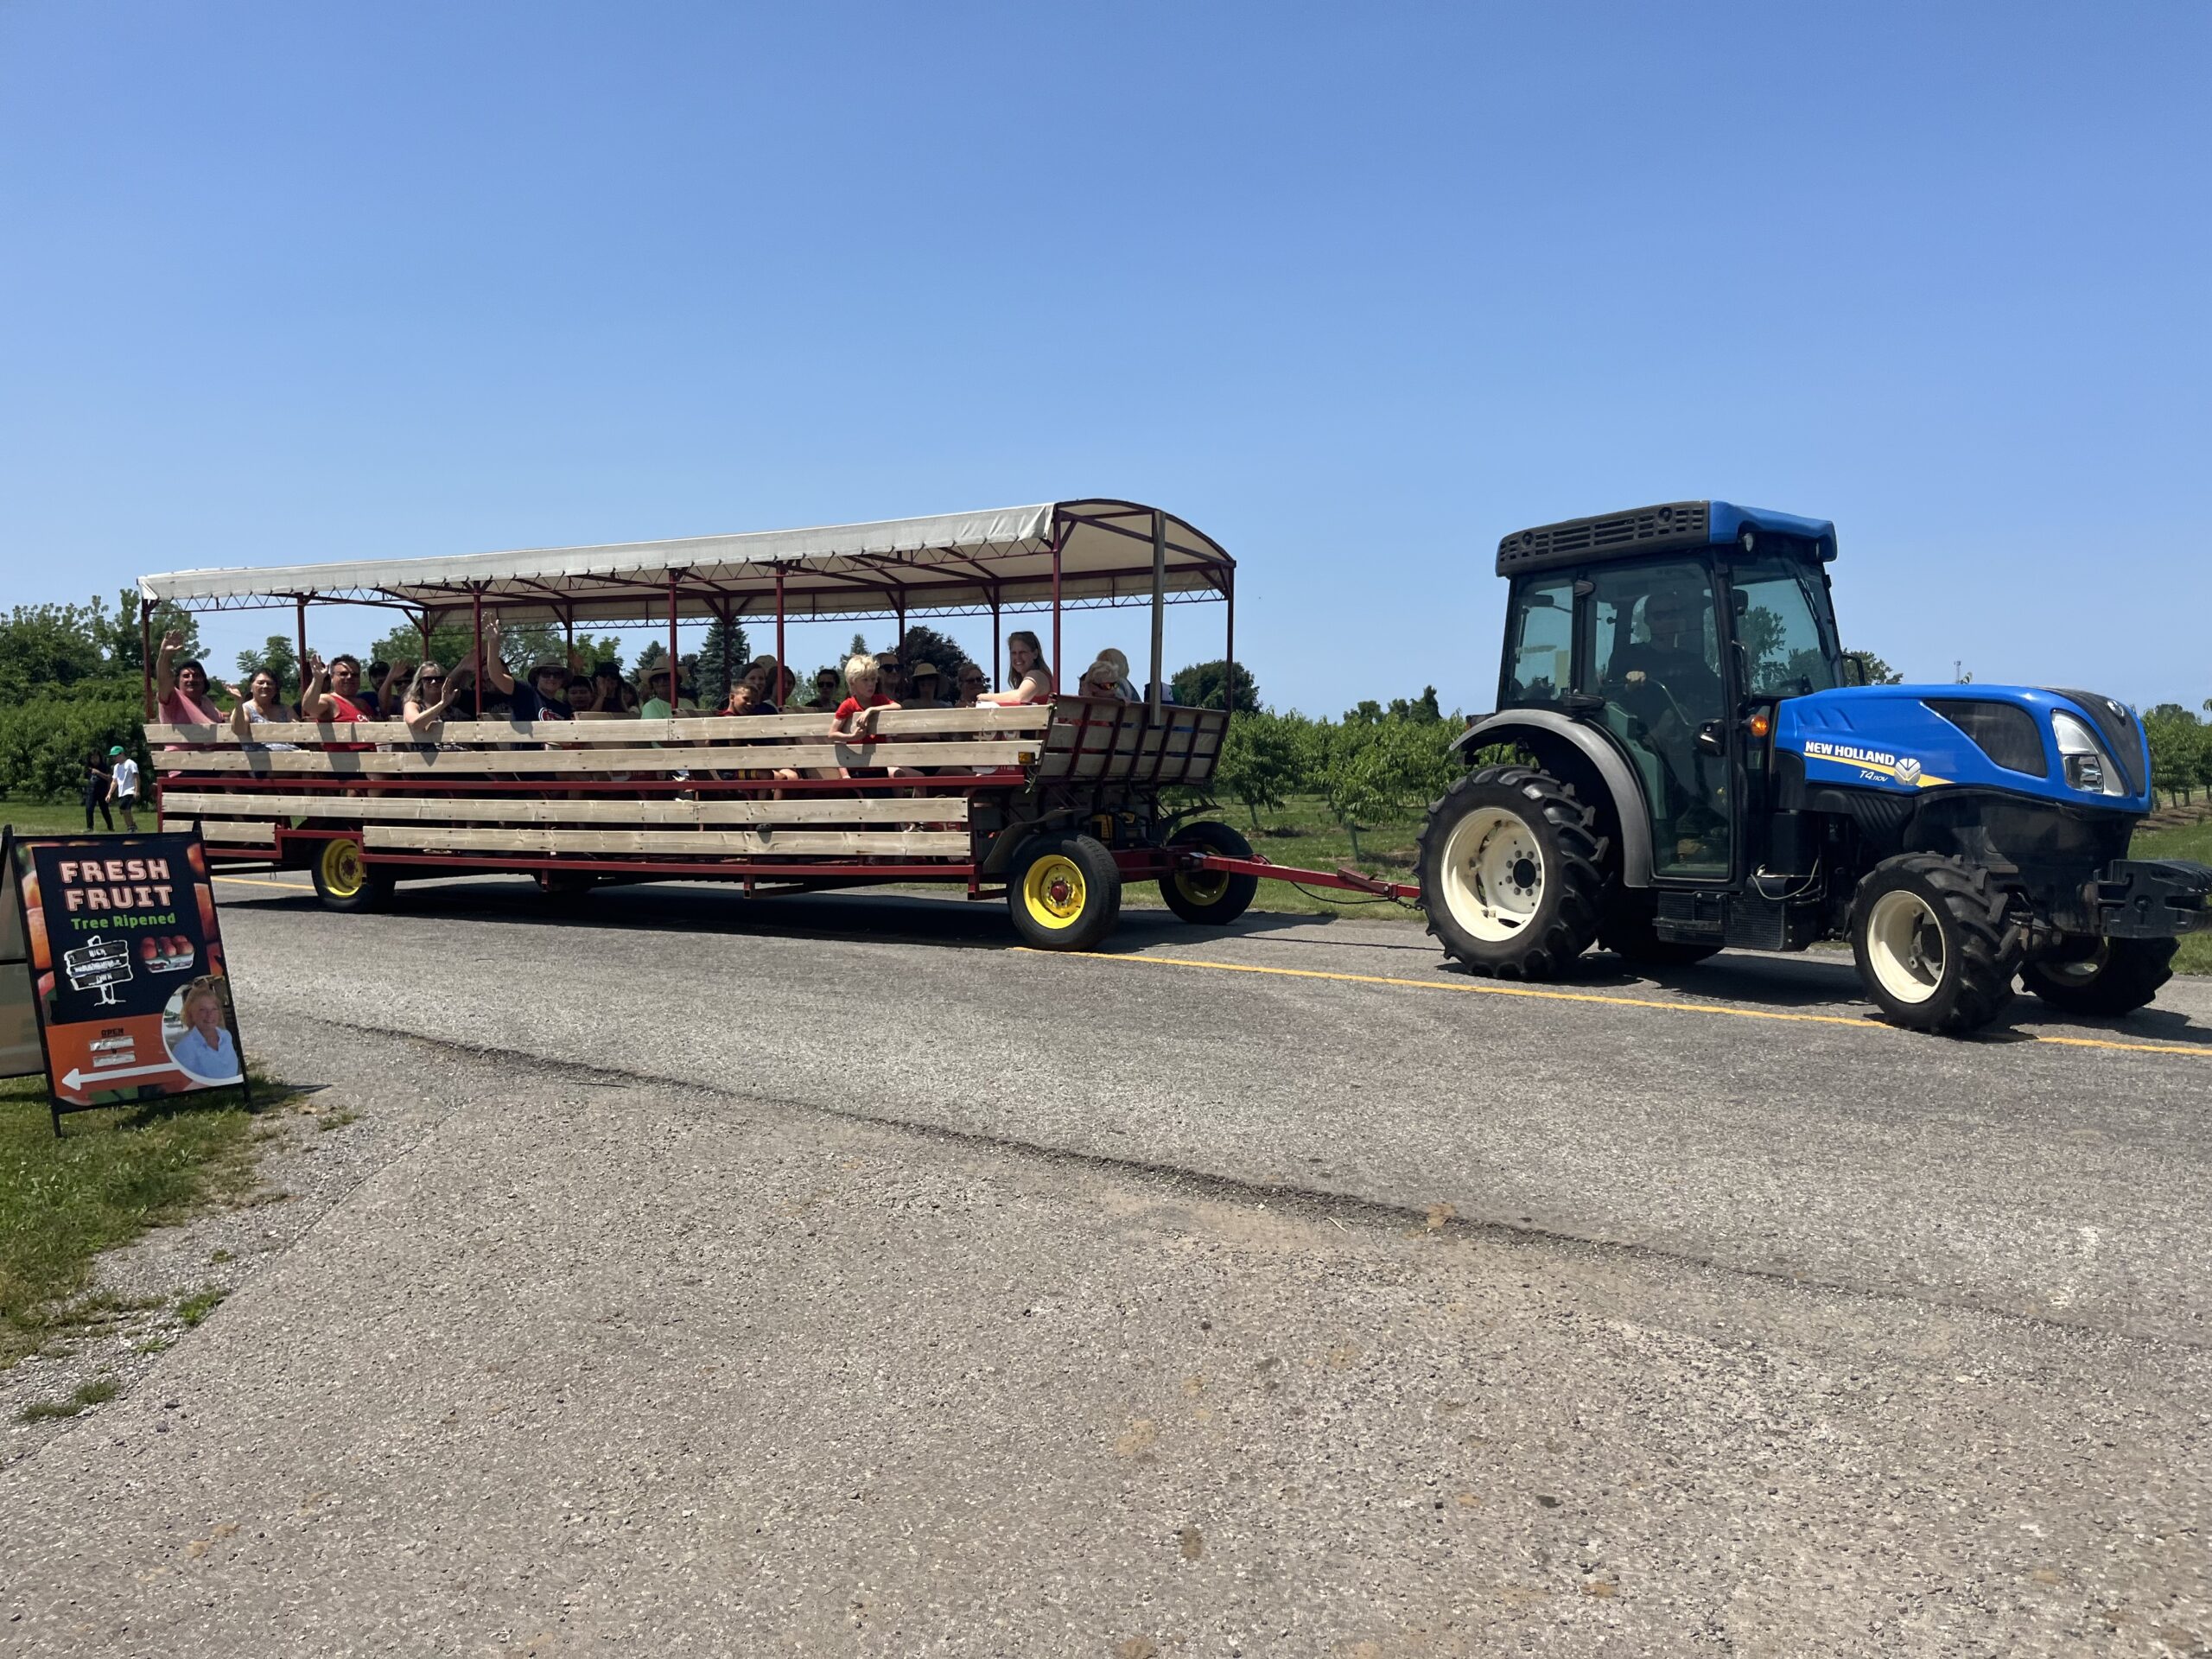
<point x="1201" y="685"/>
<point x="1877" y="671"/>
<point x="1259" y="763"/>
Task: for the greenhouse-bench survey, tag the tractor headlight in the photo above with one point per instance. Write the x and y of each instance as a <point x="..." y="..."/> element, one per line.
<point x="2083" y="759"/>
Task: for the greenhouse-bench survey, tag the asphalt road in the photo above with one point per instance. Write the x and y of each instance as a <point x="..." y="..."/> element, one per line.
<point x="828" y="1275"/>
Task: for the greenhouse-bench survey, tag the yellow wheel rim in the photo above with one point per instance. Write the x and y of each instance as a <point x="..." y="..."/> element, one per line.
<point x="343" y="873"/>
<point x="1202" y="887"/>
<point x="1053" y="889"/>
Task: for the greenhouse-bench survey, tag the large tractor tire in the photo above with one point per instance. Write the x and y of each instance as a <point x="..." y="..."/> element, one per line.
<point x="1509" y="874"/>
<point x="2122" y="977"/>
<point x="1626" y="931"/>
<point x="1933" y="950"/>
<point x="1209" y="898"/>
<point x="343" y="881"/>
<point x="1064" y="891"/>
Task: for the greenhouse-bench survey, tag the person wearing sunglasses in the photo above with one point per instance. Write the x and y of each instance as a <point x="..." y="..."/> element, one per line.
<point x="970" y="685"/>
<point x="430" y="699"/>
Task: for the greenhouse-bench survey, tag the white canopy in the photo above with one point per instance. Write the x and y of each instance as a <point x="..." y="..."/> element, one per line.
<point x="955" y="561"/>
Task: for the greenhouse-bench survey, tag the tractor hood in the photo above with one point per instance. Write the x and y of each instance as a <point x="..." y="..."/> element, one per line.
<point x="2073" y="748"/>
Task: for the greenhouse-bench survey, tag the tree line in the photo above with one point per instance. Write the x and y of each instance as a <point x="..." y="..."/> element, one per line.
<point x="70" y="679"/>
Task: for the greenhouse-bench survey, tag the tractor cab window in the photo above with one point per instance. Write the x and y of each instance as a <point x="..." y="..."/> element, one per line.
<point x="1654" y="659"/>
<point x="1540" y="661"/>
<point x="1787" y="648"/>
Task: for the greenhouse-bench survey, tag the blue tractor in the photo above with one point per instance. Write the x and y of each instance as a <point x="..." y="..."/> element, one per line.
<point x="1681" y="762"/>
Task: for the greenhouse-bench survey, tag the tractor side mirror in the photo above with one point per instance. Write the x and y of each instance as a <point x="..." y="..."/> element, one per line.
<point x="1855" y="671"/>
<point x="1710" y="740"/>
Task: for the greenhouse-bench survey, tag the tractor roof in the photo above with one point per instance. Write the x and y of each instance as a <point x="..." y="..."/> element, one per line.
<point x="1673" y="525"/>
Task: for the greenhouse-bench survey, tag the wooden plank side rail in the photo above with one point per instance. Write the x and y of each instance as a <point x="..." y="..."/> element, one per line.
<point x="183" y="806"/>
<point x="393" y="838"/>
<point x="749" y="728"/>
<point x="461" y="763"/>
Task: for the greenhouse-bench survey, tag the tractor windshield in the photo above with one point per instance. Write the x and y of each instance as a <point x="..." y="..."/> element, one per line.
<point x="1781" y="623"/>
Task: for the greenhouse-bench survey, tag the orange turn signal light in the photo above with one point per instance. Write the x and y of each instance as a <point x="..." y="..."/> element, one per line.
<point x="1760" y="725"/>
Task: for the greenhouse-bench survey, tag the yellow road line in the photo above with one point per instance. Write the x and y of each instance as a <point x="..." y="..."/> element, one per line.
<point x="1859" y="1021"/>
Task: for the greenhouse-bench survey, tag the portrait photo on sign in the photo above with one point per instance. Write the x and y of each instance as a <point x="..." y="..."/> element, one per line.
<point x="195" y="1028"/>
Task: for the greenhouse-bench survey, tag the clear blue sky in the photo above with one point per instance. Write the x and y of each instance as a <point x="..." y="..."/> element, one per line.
<point x="1355" y="289"/>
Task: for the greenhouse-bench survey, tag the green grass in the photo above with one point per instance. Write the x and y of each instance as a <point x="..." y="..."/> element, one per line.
<point x="190" y="1310"/>
<point x="61" y="817"/>
<point x="114" y="1173"/>
<point x="98" y="1392"/>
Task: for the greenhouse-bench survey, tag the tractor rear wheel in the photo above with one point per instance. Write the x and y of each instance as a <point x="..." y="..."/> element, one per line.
<point x="2122" y="977"/>
<point x="1209" y="897"/>
<point x="1509" y="874"/>
<point x="1930" y="940"/>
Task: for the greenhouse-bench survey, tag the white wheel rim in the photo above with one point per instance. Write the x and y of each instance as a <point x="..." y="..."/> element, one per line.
<point x="1493" y="876"/>
<point x="1904" y="945"/>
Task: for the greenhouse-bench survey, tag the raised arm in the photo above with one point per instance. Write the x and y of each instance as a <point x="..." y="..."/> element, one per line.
<point x="164" y="669"/>
<point x="241" y="728"/>
<point x="494" y="666"/>
<point x="315" y="695"/>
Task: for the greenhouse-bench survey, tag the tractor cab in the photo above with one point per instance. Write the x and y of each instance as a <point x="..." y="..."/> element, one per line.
<point x="1675" y="630"/>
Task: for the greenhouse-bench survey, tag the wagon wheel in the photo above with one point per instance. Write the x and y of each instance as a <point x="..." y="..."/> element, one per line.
<point x="1065" y="892"/>
<point x="1209" y="897"/>
<point x="344" y="880"/>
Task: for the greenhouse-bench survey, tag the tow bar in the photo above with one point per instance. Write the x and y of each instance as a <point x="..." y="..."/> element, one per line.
<point x="1342" y="876"/>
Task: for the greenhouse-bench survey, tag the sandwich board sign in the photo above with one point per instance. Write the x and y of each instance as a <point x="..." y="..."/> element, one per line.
<point x="112" y="980"/>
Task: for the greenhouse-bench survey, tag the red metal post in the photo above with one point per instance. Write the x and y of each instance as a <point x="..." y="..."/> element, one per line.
<point x="301" y="603"/>
<point x="900" y="648"/>
<point x="1055" y="607"/>
<point x="779" y="631"/>
<point x="476" y="681"/>
<point x="1229" y="648"/>
<point x="674" y="686"/>
<point x="995" y="640"/>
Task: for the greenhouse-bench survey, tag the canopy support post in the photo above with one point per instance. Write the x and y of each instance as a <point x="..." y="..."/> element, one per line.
<point x="898" y="598"/>
<point x="476" y="679"/>
<point x="422" y="627"/>
<point x="146" y="657"/>
<point x="300" y="605"/>
<point x="779" y="681"/>
<point x="569" y="634"/>
<point x="994" y="638"/>
<point x="1228" y="646"/>
<point x="1055" y="675"/>
<point x="1152" y="696"/>
<point x="674" y="686"/>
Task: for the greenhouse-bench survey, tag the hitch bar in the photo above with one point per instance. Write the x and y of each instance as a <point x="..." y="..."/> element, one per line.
<point x="1342" y="876"/>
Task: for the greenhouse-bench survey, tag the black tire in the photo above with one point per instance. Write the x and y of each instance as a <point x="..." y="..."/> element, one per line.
<point x="343" y="882"/>
<point x="564" y="884"/>
<point x="1626" y="931"/>
<point x="1210" y="899"/>
<point x="1931" y="943"/>
<point x="1064" y="891"/>
<point x="1541" y="912"/>
<point x="2123" y="975"/>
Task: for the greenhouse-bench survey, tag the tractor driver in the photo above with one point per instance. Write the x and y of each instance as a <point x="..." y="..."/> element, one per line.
<point x="1666" y="682"/>
<point x="1667" y="675"/>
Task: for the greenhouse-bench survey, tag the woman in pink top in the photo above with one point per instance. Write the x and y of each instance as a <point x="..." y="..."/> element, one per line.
<point x="183" y="687"/>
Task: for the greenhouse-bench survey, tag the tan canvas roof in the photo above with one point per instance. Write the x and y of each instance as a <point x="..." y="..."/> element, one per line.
<point x="954" y="561"/>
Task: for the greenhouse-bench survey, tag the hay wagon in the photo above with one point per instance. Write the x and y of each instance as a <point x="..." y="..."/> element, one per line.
<point x="1053" y="806"/>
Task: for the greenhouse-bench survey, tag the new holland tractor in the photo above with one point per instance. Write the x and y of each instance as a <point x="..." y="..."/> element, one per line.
<point x="1682" y="765"/>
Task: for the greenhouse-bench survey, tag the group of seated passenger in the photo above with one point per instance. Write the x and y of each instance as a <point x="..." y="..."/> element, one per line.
<point x="335" y="691"/>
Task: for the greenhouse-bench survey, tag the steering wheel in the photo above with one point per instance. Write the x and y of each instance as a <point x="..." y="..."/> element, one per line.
<point x="1650" y="683"/>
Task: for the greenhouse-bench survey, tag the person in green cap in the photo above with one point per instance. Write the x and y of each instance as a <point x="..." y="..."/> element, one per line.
<point x="123" y="787"/>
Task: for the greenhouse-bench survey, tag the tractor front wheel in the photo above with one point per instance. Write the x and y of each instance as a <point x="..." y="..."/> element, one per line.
<point x="2119" y="977"/>
<point x="1064" y="891"/>
<point x="1930" y="936"/>
<point x="1509" y="874"/>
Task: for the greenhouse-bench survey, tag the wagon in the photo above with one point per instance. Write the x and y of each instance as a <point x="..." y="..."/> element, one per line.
<point x="1054" y="806"/>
